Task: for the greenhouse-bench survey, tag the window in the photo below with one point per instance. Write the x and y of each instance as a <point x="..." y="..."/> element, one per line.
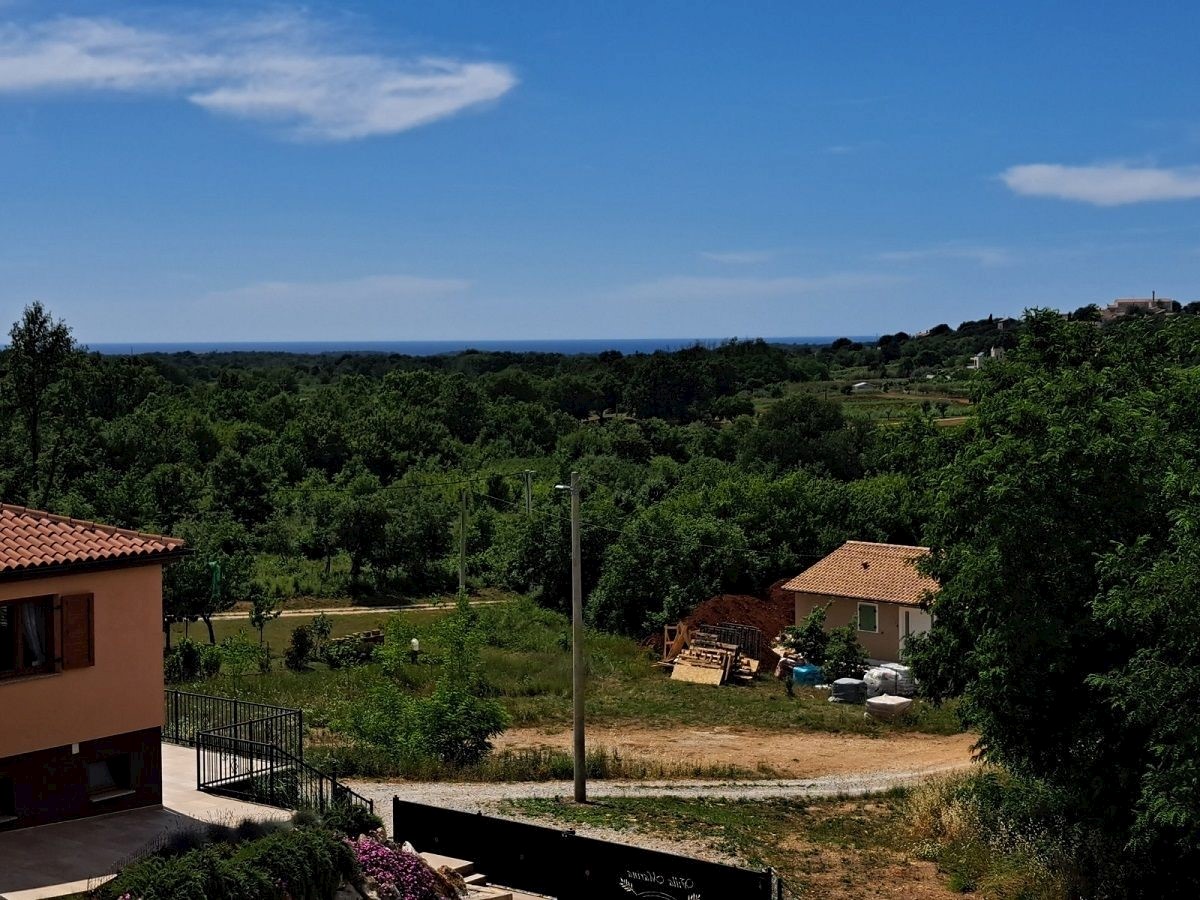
<point x="39" y="635"/>
<point x="868" y="617"/>
<point x="109" y="778"/>
<point x="27" y="639"/>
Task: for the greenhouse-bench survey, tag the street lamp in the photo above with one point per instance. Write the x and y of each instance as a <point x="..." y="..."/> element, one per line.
<point x="577" y="672"/>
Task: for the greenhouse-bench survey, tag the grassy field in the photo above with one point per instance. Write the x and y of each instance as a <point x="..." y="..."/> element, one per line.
<point x="527" y="665"/>
<point x="917" y="844"/>
<point x="838" y="849"/>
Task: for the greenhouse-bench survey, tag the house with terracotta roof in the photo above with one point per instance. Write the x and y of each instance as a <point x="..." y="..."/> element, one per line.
<point x="81" y="679"/>
<point x="877" y="587"/>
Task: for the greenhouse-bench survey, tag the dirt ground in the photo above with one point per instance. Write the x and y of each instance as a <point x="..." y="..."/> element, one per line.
<point x="848" y="872"/>
<point x="785" y="754"/>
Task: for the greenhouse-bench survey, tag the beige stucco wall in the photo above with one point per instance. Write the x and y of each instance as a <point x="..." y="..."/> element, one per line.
<point x="122" y="692"/>
<point x="884" y="645"/>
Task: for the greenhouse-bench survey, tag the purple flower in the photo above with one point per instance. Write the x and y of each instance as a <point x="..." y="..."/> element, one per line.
<point x="400" y="875"/>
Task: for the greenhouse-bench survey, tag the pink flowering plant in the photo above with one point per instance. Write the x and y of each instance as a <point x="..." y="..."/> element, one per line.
<point x="399" y="874"/>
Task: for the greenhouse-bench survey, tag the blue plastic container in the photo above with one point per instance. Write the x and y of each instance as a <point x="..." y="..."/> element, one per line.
<point x="807" y="675"/>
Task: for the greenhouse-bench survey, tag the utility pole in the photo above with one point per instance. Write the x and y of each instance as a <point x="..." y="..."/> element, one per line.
<point x="528" y="473"/>
<point x="577" y="669"/>
<point x="462" y="542"/>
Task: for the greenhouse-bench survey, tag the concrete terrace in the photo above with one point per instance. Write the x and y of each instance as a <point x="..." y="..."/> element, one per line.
<point x="70" y="857"/>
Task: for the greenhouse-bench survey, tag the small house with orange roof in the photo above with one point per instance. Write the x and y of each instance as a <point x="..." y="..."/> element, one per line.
<point x="877" y="587"/>
<point x="81" y="667"/>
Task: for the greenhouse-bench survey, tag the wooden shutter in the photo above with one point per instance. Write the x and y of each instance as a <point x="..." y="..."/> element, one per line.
<point x="78" y="634"/>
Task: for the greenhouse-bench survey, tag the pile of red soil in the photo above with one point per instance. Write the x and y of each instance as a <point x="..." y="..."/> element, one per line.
<point x="769" y="616"/>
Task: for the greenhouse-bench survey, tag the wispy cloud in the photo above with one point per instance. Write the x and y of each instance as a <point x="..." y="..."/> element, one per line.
<point x="1115" y="184"/>
<point x="285" y="69"/>
<point x="739" y="257"/>
<point x="372" y="289"/>
<point x="683" y="287"/>
<point x="984" y="256"/>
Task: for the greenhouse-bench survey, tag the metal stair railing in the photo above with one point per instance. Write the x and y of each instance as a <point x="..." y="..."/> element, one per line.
<point x="252" y="751"/>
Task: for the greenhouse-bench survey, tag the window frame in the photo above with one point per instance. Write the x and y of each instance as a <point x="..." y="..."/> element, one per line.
<point x="50" y="613"/>
<point x="858" y="617"/>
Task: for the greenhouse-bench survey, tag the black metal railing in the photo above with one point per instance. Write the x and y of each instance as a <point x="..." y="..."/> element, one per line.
<point x="252" y="751"/>
<point x="185" y="715"/>
<point x="262" y="772"/>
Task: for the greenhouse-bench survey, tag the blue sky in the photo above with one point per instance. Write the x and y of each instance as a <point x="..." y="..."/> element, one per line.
<point x="468" y="170"/>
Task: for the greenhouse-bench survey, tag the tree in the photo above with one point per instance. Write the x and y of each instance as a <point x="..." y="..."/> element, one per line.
<point x="809" y="638"/>
<point x="40" y="348"/>
<point x="213" y="576"/>
<point x="1064" y="541"/>
<point x="264" y="608"/>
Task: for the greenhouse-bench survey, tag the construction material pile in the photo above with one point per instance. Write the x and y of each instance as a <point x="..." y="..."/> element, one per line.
<point x="713" y="655"/>
<point x="769" y="616"/>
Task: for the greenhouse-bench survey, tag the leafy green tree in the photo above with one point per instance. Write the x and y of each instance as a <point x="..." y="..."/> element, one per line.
<point x="1063" y="542"/>
<point x="40" y="351"/>
<point x="264" y="608"/>
<point x="809" y="638"/>
<point x="213" y="576"/>
<point x="844" y="655"/>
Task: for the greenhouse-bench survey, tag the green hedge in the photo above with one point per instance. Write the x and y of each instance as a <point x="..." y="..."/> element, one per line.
<point x="300" y="864"/>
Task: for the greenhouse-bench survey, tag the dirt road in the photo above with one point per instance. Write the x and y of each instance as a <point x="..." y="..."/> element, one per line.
<point x="785" y="754"/>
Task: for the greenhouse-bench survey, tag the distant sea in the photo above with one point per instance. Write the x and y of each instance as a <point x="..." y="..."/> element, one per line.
<point x="435" y="348"/>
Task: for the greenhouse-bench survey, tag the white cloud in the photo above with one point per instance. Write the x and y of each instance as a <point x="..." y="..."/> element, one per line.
<point x="984" y="256"/>
<point x="1104" y="185"/>
<point x="739" y="257"/>
<point x="683" y="287"/>
<point x="284" y="69"/>
<point x="372" y="289"/>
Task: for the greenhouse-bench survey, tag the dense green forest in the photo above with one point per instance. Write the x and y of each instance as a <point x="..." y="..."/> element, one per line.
<point x="1063" y="514"/>
<point x="703" y="470"/>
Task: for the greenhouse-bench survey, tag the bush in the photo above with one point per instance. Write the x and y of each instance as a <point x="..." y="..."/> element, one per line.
<point x="844" y="655"/>
<point x="210" y="661"/>
<point x="183" y="661"/>
<point x="295" y="657"/>
<point x="351" y="820"/>
<point x="344" y="654"/>
<point x="241" y="655"/>
<point x="308" y="863"/>
<point x="299" y="863"/>
<point x="809" y="638"/>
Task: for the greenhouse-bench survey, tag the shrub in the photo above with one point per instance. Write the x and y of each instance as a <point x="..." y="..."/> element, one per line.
<point x="351" y="820"/>
<point x="322" y="629"/>
<point x="299" y="648"/>
<point x="183" y="661"/>
<point x="809" y="638"/>
<point x="309" y="863"/>
<point x="344" y="654"/>
<point x="844" y="655"/>
<point x="236" y="863"/>
<point x="241" y="655"/>
<point x="204" y="874"/>
<point x="210" y="661"/>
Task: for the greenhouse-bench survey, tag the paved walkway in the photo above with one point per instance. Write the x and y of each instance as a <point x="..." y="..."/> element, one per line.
<point x="71" y="857"/>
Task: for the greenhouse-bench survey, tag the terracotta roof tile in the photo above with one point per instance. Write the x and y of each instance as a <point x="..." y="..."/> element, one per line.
<point x="867" y="571"/>
<point x="32" y="539"/>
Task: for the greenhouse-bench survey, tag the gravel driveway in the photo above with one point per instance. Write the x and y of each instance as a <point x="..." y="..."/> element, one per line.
<point x="473" y="796"/>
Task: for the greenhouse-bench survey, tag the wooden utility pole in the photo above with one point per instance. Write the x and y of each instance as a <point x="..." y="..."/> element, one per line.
<point x="462" y="542"/>
<point x="528" y="473"/>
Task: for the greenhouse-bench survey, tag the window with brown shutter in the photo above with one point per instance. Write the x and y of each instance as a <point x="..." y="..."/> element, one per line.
<point x="77" y="643"/>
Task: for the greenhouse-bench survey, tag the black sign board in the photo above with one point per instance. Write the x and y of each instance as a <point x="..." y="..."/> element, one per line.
<point x="564" y="865"/>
